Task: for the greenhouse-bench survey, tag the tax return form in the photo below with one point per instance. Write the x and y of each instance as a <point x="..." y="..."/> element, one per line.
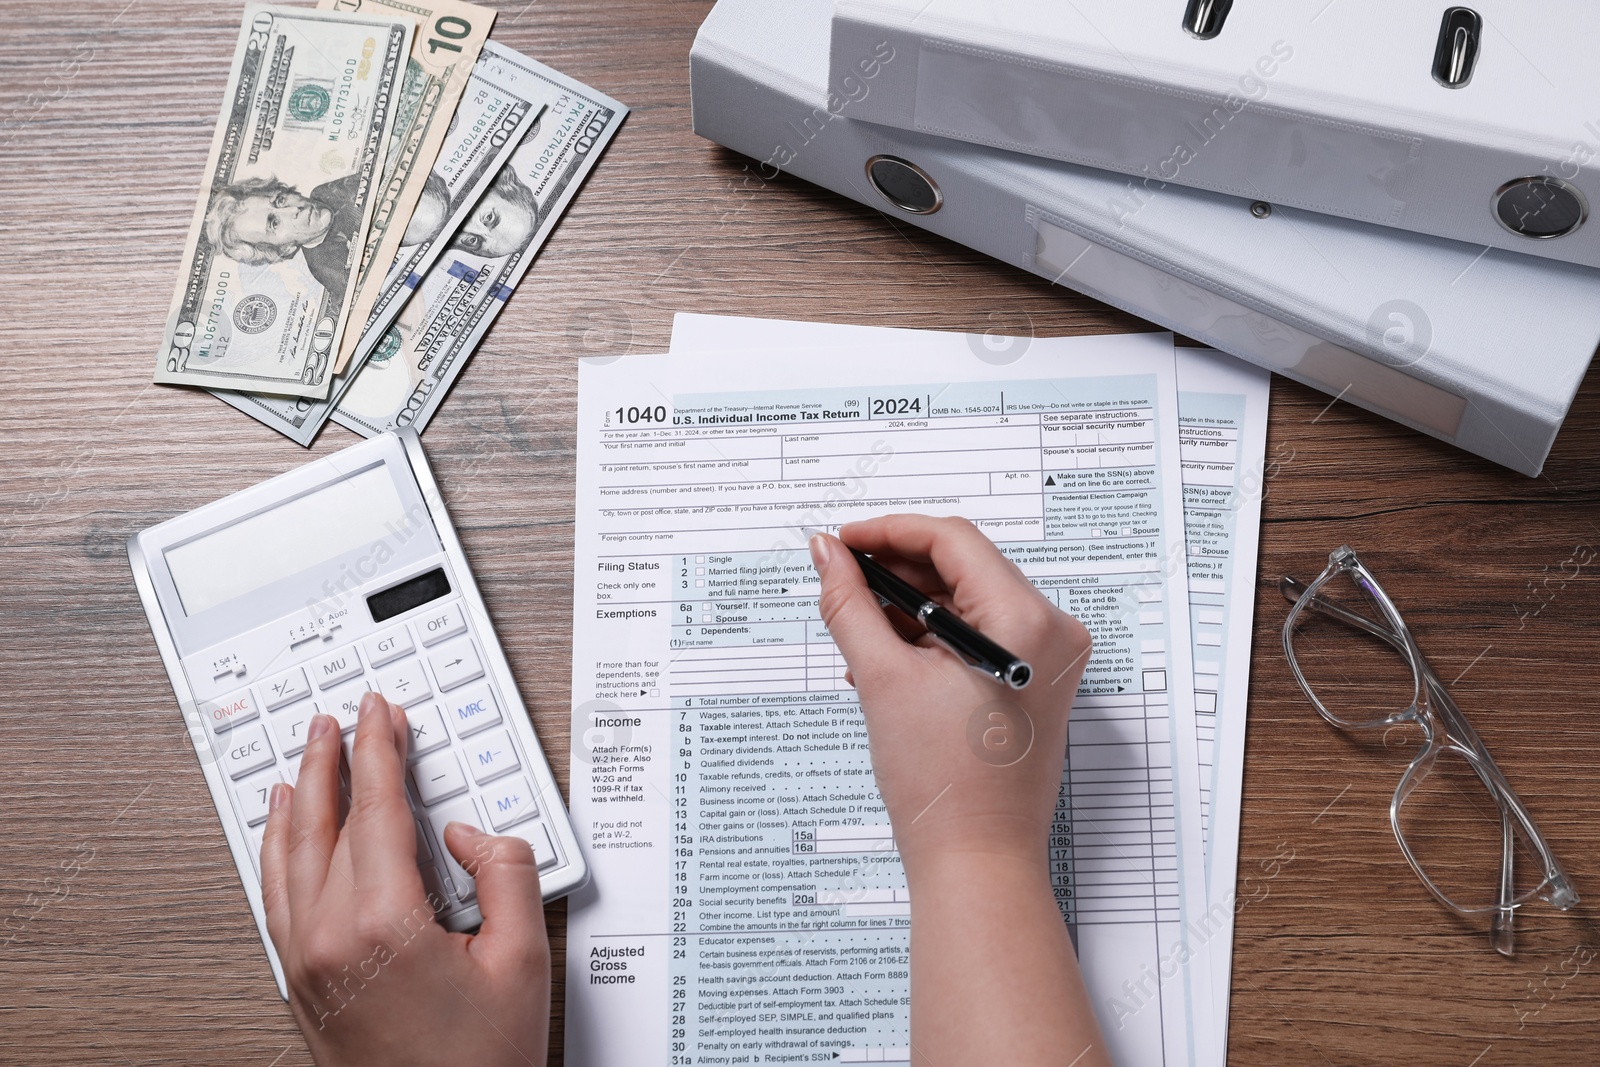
<point x="748" y="904"/>
<point x="1222" y="427"/>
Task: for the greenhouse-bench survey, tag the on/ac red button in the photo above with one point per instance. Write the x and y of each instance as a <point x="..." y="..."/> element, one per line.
<point x="224" y="714"/>
<point x="447" y="622"/>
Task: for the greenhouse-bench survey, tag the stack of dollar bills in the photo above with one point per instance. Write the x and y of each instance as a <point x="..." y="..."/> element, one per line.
<point x="381" y="177"/>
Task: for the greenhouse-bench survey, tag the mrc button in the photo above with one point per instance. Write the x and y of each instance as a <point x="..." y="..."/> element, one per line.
<point x="472" y="709"/>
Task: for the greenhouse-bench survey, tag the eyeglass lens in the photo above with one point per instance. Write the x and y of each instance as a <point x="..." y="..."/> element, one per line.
<point x="1358" y="678"/>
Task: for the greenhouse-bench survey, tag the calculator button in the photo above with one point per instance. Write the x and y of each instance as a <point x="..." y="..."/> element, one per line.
<point x="257" y="834"/>
<point x="510" y="803"/>
<point x="433" y="887"/>
<point x="465" y="811"/>
<point x="405" y="684"/>
<point x="424" y="853"/>
<point x="336" y="666"/>
<point x="443" y="623"/>
<point x="490" y="756"/>
<point x="255" y="794"/>
<point x="438" y="778"/>
<point x="456" y="664"/>
<point x="388" y="646"/>
<point x="285" y="689"/>
<point x="344" y="703"/>
<point x="427" y="729"/>
<point x="247" y="751"/>
<point x="291" y="727"/>
<point x="537" y="835"/>
<point x="224" y="714"/>
<point x="472" y="710"/>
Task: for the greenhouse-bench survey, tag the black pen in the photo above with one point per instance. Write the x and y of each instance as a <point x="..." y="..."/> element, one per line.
<point x="943" y="623"/>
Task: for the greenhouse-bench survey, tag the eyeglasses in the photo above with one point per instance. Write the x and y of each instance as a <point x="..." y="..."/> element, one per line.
<point x="1461" y="826"/>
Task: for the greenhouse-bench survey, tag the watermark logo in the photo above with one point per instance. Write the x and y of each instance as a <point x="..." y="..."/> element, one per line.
<point x="1000" y="733"/>
<point x="599" y="329"/>
<point x="1402" y="331"/>
<point x="1000" y="349"/>
<point x="600" y="730"/>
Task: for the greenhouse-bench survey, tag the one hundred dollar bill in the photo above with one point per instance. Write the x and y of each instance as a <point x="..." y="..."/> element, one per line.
<point x="403" y="383"/>
<point x="450" y="34"/>
<point x="489" y="123"/>
<point x="286" y="202"/>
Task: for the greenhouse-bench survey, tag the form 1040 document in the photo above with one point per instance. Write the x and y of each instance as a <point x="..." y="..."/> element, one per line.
<point x="747" y="903"/>
<point x="1222" y="421"/>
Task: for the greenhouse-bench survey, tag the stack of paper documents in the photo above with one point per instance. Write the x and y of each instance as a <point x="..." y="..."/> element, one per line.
<point x="747" y="903"/>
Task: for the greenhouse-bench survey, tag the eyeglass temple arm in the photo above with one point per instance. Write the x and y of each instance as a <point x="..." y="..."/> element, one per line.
<point x="1485" y="767"/>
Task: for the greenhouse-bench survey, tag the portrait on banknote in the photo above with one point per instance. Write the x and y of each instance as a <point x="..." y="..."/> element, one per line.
<point x="258" y="221"/>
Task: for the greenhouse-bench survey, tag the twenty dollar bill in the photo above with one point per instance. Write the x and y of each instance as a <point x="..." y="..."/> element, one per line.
<point x="286" y="201"/>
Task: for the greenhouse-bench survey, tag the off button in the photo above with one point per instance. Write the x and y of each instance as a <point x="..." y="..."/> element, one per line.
<point x="446" y="622"/>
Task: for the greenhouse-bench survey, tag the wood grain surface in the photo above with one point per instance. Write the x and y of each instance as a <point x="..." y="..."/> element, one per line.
<point x="149" y="956"/>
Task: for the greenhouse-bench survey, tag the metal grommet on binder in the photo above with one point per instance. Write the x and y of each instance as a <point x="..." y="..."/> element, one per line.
<point x="1261" y="209"/>
<point x="904" y="184"/>
<point x="1539" y="207"/>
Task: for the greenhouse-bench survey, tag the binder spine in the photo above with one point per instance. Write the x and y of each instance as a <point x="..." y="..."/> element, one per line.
<point x="1246" y="135"/>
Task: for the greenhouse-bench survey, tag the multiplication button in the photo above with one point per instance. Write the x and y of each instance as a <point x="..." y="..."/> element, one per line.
<point x="427" y="729"/>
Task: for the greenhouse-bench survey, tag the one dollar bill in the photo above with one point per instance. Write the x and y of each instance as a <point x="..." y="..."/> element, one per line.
<point x="404" y="382"/>
<point x="449" y="36"/>
<point x="285" y="203"/>
<point x="489" y="124"/>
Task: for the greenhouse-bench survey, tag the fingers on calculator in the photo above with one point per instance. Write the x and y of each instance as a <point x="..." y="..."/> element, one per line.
<point x="508" y="889"/>
<point x="380" y="829"/>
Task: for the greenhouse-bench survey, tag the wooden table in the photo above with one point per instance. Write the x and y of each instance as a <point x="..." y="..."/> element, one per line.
<point x="150" y="957"/>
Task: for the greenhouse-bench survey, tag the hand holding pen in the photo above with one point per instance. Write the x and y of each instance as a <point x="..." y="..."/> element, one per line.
<point x="969" y="768"/>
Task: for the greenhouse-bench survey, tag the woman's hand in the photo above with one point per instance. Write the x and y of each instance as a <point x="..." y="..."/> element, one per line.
<point x="969" y="770"/>
<point x="964" y="763"/>
<point x="373" y="979"/>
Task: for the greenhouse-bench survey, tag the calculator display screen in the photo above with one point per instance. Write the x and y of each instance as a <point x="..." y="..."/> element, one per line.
<point x="360" y="510"/>
<point x="407" y="595"/>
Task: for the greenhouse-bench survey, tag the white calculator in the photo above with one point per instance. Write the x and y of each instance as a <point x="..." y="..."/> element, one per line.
<point x="302" y="593"/>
